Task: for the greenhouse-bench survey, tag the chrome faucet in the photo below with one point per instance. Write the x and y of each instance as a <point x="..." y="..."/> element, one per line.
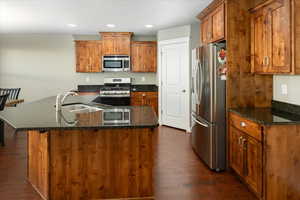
<point x="60" y="98"/>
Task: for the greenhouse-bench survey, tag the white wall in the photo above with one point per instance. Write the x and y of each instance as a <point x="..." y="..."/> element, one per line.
<point x="293" y="89"/>
<point x="44" y="65"/>
<point x="173" y="33"/>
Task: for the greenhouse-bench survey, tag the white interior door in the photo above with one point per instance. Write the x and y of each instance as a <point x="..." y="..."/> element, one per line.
<point x="175" y="85"/>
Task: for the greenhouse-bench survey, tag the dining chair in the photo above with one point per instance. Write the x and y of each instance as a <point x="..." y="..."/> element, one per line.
<point x="13" y="93"/>
<point x="3" y="99"/>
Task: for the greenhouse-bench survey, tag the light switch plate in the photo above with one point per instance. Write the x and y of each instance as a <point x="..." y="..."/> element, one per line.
<point x="284" y="89"/>
<point x="143" y="78"/>
<point x="87" y="79"/>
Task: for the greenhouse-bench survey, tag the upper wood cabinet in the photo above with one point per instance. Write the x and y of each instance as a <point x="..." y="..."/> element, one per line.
<point x="213" y="23"/>
<point x="88" y="56"/>
<point x="116" y="43"/>
<point x="271" y="38"/>
<point x="206" y="30"/>
<point x="143" y="56"/>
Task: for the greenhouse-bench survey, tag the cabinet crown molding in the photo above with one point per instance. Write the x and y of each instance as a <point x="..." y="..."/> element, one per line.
<point x="210" y="8"/>
<point x="116" y="34"/>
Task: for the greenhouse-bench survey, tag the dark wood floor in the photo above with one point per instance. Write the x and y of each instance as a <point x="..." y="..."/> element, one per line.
<point x="178" y="174"/>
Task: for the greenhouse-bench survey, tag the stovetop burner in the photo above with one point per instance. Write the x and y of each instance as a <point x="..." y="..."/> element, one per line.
<point x="111" y="88"/>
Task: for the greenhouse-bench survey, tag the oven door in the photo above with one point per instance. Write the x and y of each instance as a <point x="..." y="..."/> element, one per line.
<point x="112" y="65"/>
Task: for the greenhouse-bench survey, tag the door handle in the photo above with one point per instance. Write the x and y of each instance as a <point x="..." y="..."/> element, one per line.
<point x="198" y="122"/>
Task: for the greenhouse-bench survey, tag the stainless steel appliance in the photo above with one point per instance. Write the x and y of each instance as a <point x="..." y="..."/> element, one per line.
<point x="116" y="116"/>
<point x="116" y="63"/>
<point x="208" y="105"/>
<point x="116" y="92"/>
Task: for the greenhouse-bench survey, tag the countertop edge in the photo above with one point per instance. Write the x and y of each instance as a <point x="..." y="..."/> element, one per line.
<point x="45" y="129"/>
<point x="263" y="123"/>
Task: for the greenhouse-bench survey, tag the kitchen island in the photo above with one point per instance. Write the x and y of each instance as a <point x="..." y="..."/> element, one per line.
<point x="83" y="153"/>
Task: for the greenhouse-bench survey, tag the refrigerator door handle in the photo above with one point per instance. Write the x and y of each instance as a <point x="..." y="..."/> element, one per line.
<point x="201" y="77"/>
<point x="201" y="123"/>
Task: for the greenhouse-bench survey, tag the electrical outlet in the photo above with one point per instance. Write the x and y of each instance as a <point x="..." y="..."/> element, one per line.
<point x="284" y="89"/>
<point x="143" y="78"/>
<point x="87" y="79"/>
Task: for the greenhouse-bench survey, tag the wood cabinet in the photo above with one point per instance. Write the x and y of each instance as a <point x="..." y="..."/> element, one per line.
<point x="145" y="99"/>
<point x="271" y="38"/>
<point x="143" y="56"/>
<point x="245" y="156"/>
<point x="267" y="163"/>
<point x="116" y="43"/>
<point x="213" y="23"/>
<point x="88" y="56"/>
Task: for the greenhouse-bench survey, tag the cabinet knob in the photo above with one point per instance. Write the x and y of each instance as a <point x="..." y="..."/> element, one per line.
<point x="144" y="95"/>
<point x="183" y="91"/>
<point x="243" y="124"/>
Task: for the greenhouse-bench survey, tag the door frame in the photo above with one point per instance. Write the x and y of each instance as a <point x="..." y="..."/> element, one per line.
<point x="161" y="44"/>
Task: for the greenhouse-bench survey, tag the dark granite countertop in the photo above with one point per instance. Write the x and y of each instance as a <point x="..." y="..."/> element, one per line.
<point x="41" y="115"/>
<point x="134" y="88"/>
<point x="279" y="114"/>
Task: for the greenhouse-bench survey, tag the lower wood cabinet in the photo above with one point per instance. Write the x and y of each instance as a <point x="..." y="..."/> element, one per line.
<point x="246" y="155"/>
<point x="145" y="99"/>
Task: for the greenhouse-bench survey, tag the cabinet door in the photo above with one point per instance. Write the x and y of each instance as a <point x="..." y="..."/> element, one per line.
<point x="144" y="57"/>
<point x="279" y="35"/>
<point x="271" y="38"/>
<point x="259" y="41"/>
<point x="136" y="57"/>
<point x="88" y="56"/>
<point x="108" y="45"/>
<point x="253" y="162"/>
<point x="82" y="57"/>
<point x="236" y="151"/>
<point x="150" y="57"/>
<point x="122" y="45"/>
<point x="152" y="100"/>
<point x="206" y="30"/>
<point x="218" y="24"/>
<point x="95" y="52"/>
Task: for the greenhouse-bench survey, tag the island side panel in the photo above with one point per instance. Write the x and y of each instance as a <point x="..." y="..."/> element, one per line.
<point x="38" y="162"/>
<point x="105" y="163"/>
<point x="282" y="162"/>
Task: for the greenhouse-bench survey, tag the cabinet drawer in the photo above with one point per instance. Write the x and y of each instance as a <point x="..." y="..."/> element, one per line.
<point x="251" y="128"/>
<point x="144" y="94"/>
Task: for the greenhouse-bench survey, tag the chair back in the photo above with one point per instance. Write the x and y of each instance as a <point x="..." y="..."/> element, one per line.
<point x="13" y="93"/>
<point x="3" y="99"/>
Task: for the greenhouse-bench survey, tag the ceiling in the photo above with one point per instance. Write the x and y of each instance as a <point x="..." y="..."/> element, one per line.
<point x="91" y="16"/>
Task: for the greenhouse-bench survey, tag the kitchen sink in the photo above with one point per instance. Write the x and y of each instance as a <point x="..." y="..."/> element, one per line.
<point x="80" y="108"/>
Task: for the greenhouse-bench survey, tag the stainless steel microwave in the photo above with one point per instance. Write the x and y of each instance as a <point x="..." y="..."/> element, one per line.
<point x="116" y="63"/>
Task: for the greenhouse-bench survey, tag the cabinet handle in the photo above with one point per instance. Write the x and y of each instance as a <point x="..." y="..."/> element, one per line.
<point x="244" y="144"/>
<point x="243" y="124"/>
<point x="240" y="139"/>
<point x="267" y="60"/>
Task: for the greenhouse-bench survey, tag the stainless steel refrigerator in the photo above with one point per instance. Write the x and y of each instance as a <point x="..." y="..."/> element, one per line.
<point x="208" y="106"/>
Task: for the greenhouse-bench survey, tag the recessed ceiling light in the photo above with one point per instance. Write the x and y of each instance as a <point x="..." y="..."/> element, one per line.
<point x="149" y="26"/>
<point x="72" y="25"/>
<point x="111" y="25"/>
